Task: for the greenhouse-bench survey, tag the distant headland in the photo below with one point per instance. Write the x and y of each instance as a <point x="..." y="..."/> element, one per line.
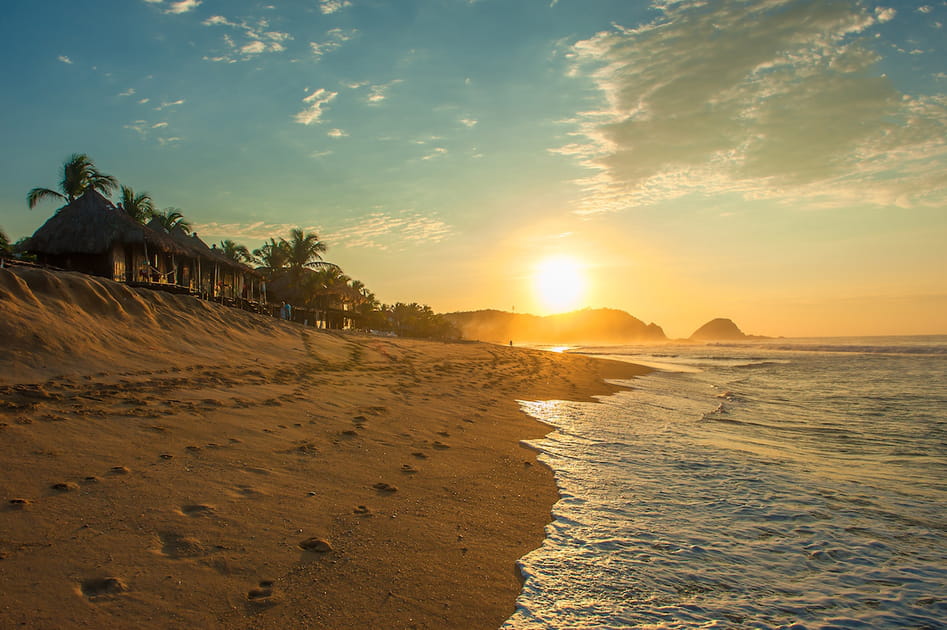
<point x="587" y="326"/>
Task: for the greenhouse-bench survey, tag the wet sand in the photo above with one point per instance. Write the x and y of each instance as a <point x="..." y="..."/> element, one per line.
<point x="172" y="463"/>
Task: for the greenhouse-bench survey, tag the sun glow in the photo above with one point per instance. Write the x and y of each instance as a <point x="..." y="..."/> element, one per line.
<point x="559" y="284"/>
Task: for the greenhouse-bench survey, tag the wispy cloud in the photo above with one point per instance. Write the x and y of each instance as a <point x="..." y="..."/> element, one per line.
<point x="183" y="6"/>
<point x="391" y="230"/>
<point x="435" y="153"/>
<point x="379" y="93"/>
<point x="246" y="40"/>
<point x="128" y="92"/>
<point x="64" y="59"/>
<point x="180" y="6"/>
<point x="258" y="231"/>
<point x="312" y="113"/>
<point x="334" y="39"/>
<point x="765" y="99"/>
<point x="336" y="133"/>
<point x="329" y="7"/>
<point x="468" y="122"/>
<point x="155" y="132"/>
<point x="167" y="104"/>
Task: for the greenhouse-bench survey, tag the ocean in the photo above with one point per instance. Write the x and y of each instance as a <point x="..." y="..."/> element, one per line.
<point x="775" y="484"/>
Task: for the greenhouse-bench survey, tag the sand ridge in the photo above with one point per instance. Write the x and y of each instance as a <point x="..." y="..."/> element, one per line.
<point x="173" y="463"/>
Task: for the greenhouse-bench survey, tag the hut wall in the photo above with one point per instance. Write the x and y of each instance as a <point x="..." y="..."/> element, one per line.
<point x="119" y="263"/>
<point x="93" y="264"/>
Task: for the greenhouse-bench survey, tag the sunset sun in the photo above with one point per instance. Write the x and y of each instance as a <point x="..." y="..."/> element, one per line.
<point x="559" y="284"/>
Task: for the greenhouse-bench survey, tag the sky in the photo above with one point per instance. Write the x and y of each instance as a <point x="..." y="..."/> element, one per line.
<point x="782" y="163"/>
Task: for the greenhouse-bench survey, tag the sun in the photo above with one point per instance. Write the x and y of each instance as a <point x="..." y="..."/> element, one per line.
<point x="559" y="284"/>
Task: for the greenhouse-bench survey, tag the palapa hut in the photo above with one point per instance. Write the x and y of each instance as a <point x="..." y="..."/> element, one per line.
<point x="323" y="307"/>
<point x="215" y="275"/>
<point x="93" y="236"/>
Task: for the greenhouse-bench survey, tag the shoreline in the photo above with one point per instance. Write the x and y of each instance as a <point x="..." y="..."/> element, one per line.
<point x="169" y="460"/>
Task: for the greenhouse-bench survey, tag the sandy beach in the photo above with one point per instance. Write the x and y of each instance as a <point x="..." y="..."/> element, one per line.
<point x="171" y="463"/>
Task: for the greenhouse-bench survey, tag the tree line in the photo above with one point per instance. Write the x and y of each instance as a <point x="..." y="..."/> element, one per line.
<point x="293" y="267"/>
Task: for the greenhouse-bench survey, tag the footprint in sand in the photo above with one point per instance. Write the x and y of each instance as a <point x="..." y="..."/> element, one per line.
<point x="166" y="456"/>
<point x="103" y="587"/>
<point x="419" y="455"/>
<point x="315" y="545"/>
<point x="18" y="503"/>
<point x="119" y="470"/>
<point x="246" y="492"/>
<point x="197" y="509"/>
<point x="362" y="510"/>
<point x="443" y="433"/>
<point x="262" y="594"/>
<point x="178" y="546"/>
<point x="381" y="486"/>
<point x="440" y="445"/>
<point x="408" y="468"/>
<point x="65" y="486"/>
<point x="349" y="433"/>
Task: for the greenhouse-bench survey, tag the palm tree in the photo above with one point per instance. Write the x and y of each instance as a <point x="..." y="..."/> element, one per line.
<point x="235" y="252"/>
<point x="172" y="219"/>
<point x="272" y="255"/>
<point x="140" y="207"/>
<point x="325" y="283"/>
<point x="303" y="250"/>
<point x="78" y="175"/>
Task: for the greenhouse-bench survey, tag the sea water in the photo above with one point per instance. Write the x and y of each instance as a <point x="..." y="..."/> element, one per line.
<point x="778" y="484"/>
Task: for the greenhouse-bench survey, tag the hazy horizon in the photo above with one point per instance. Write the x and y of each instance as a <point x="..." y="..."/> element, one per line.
<point x="780" y="163"/>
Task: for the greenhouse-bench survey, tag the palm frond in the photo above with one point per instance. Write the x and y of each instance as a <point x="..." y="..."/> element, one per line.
<point x="38" y="194"/>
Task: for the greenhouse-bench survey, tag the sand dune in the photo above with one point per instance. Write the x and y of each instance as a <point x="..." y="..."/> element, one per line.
<point x="174" y="463"/>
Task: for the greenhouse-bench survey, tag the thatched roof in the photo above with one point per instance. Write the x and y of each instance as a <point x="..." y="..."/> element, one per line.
<point x="91" y="225"/>
<point x="199" y="248"/>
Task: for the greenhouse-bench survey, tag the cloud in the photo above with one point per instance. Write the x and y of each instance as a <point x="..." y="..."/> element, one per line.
<point x="167" y="104"/>
<point x="885" y="15"/>
<point x="258" y="230"/>
<point x="765" y="99"/>
<point x="128" y="92"/>
<point x="468" y="122"/>
<point x="336" y="133"/>
<point x="183" y="6"/>
<point x="254" y="39"/>
<point x="152" y="131"/>
<point x="253" y="48"/>
<point x="64" y="59"/>
<point x="218" y="20"/>
<point x="316" y="101"/>
<point x="335" y="38"/>
<point x="379" y="93"/>
<point x="435" y="153"/>
<point x="329" y="7"/>
<point x="391" y="230"/>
